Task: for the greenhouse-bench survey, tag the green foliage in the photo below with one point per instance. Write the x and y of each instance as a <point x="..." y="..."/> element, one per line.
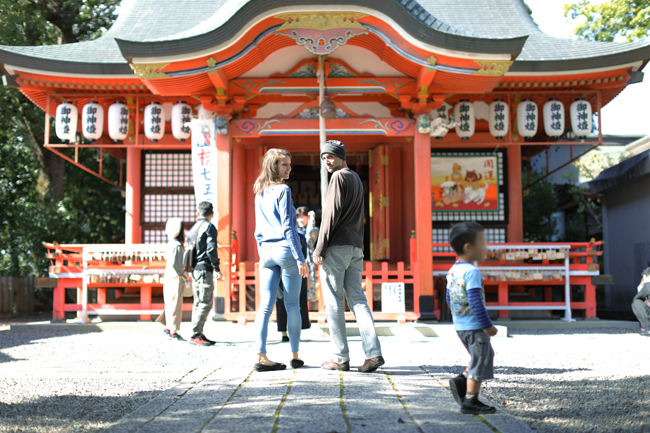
<point x="42" y="198"/>
<point x="539" y="204"/>
<point x="629" y="20"/>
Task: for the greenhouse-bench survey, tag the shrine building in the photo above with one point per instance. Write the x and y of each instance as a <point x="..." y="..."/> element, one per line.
<point x="441" y="105"/>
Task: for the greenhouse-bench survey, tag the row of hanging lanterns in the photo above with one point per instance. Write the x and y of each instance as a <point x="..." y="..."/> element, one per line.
<point x="553" y="113"/>
<point x="92" y="121"/>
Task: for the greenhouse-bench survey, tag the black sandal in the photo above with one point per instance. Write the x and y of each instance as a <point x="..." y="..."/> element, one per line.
<point x="264" y="367"/>
<point x="297" y="363"/>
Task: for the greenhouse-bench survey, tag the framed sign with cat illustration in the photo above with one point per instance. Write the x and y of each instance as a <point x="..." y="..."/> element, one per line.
<point x="465" y="183"/>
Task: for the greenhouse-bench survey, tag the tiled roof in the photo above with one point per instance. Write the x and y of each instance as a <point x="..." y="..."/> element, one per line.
<point x="156" y="27"/>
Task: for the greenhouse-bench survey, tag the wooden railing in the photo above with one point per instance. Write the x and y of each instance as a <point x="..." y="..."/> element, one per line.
<point x="504" y="274"/>
<point x="244" y="298"/>
<point x="522" y="267"/>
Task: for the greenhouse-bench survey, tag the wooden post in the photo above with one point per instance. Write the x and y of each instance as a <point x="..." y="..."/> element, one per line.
<point x="503" y="300"/>
<point x="240" y="182"/>
<point x="224" y="212"/>
<point x="145" y="301"/>
<point x="515" y="195"/>
<point x="58" y="312"/>
<point x="133" y="196"/>
<point x="80" y="294"/>
<point x="101" y="296"/>
<point x="423" y="222"/>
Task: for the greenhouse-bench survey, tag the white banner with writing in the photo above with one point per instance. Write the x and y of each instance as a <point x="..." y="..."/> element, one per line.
<point x="204" y="160"/>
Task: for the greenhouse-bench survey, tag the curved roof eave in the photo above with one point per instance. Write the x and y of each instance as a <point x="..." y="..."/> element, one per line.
<point x="8" y="57"/>
<point x="603" y="61"/>
<point x="419" y="27"/>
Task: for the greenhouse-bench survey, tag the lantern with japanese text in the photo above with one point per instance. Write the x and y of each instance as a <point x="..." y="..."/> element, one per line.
<point x="66" y="121"/>
<point x="118" y="121"/>
<point x="154" y="121"/>
<point x="499" y="118"/>
<point x="553" y="112"/>
<point x="580" y="111"/>
<point x="466" y="118"/>
<point x="92" y="120"/>
<point x="440" y="121"/>
<point x="181" y="114"/>
<point x="527" y="119"/>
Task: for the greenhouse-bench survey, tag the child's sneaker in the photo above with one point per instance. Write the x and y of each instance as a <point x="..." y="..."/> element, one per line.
<point x="458" y="386"/>
<point x="474" y="407"/>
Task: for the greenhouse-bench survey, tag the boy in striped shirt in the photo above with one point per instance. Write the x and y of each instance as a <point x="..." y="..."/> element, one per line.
<point x="466" y="299"/>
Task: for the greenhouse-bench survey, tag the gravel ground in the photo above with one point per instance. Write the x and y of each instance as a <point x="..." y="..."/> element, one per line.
<point x="74" y="380"/>
<point x="587" y="380"/>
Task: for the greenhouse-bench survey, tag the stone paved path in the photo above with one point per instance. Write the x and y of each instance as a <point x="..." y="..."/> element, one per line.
<point x="406" y="396"/>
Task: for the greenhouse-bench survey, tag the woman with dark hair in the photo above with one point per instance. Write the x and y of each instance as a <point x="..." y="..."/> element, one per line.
<point x="280" y="254"/>
<point x="302" y="216"/>
<point x="174" y="280"/>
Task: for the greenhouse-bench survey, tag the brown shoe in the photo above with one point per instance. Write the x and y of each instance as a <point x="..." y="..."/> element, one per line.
<point x="372" y="364"/>
<point x="331" y="365"/>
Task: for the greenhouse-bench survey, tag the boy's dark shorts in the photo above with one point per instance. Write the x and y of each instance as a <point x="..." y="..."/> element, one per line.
<point x="477" y="343"/>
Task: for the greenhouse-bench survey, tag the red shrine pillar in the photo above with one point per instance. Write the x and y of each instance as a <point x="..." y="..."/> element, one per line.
<point x="239" y="186"/>
<point x="224" y="209"/>
<point x="423" y="223"/>
<point x="133" y="195"/>
<point x="515" y="195"/>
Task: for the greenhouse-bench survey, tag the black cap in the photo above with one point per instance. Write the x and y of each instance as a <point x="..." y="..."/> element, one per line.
<point x="334" y="147"/>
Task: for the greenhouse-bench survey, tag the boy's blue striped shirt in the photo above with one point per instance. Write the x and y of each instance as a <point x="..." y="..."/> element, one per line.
<point x="466" y="298"/>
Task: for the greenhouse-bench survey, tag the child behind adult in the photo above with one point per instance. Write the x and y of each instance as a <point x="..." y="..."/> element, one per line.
<point x="466" y="299"/>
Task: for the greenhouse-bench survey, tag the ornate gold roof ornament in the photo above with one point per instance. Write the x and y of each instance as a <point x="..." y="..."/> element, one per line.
<point x="151" y="70"/>
<point x="432" y="60"/>
<point x="211" y="62"/>
<point x="493" y="67"/>
<point x="321" y="33"/>
<point x="321" y="21"/>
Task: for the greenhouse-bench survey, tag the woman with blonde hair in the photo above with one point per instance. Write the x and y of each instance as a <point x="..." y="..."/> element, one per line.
<point x="280" y="254"/>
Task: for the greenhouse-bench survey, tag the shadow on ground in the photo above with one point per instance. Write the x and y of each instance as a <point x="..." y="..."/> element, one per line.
<point x="51" y="413"/>
<point x="575" y="406"/>
<point x="9" y="338"/>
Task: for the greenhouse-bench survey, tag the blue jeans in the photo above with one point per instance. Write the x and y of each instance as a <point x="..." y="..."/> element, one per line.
<point x="277" y="262"/>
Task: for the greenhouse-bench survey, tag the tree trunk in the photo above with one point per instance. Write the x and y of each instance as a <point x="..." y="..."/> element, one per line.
<point x="55" y="168"/>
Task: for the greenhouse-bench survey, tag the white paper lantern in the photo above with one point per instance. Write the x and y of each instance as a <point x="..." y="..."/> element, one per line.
<point x="581" y="117"/>
<point x="499" y="118"/>
<point x="444" y="113"/>
<point x="66" y="121"/>
<point x="118" y="121"/>
<point x="527" y="119"/>
<point x="553" y="112"/>
<point x="154" y="121"/>
<point x="92" y="120"/>
<point x="466" y="118"/>
<point x="181" y="114"/>
<point x="203" y="113"/>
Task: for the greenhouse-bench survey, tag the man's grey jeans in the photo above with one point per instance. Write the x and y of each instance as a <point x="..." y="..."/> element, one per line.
<point x="203" y="288"/>
<point x="341" y="273"/>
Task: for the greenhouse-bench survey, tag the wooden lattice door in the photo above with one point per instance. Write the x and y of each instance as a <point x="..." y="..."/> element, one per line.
<point x="378" y="202"/>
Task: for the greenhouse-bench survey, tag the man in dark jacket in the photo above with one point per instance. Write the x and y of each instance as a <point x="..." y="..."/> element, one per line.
<point x="641" y="305"/>
<point x="204" y="233"/>
<point x="339" y="253"/>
